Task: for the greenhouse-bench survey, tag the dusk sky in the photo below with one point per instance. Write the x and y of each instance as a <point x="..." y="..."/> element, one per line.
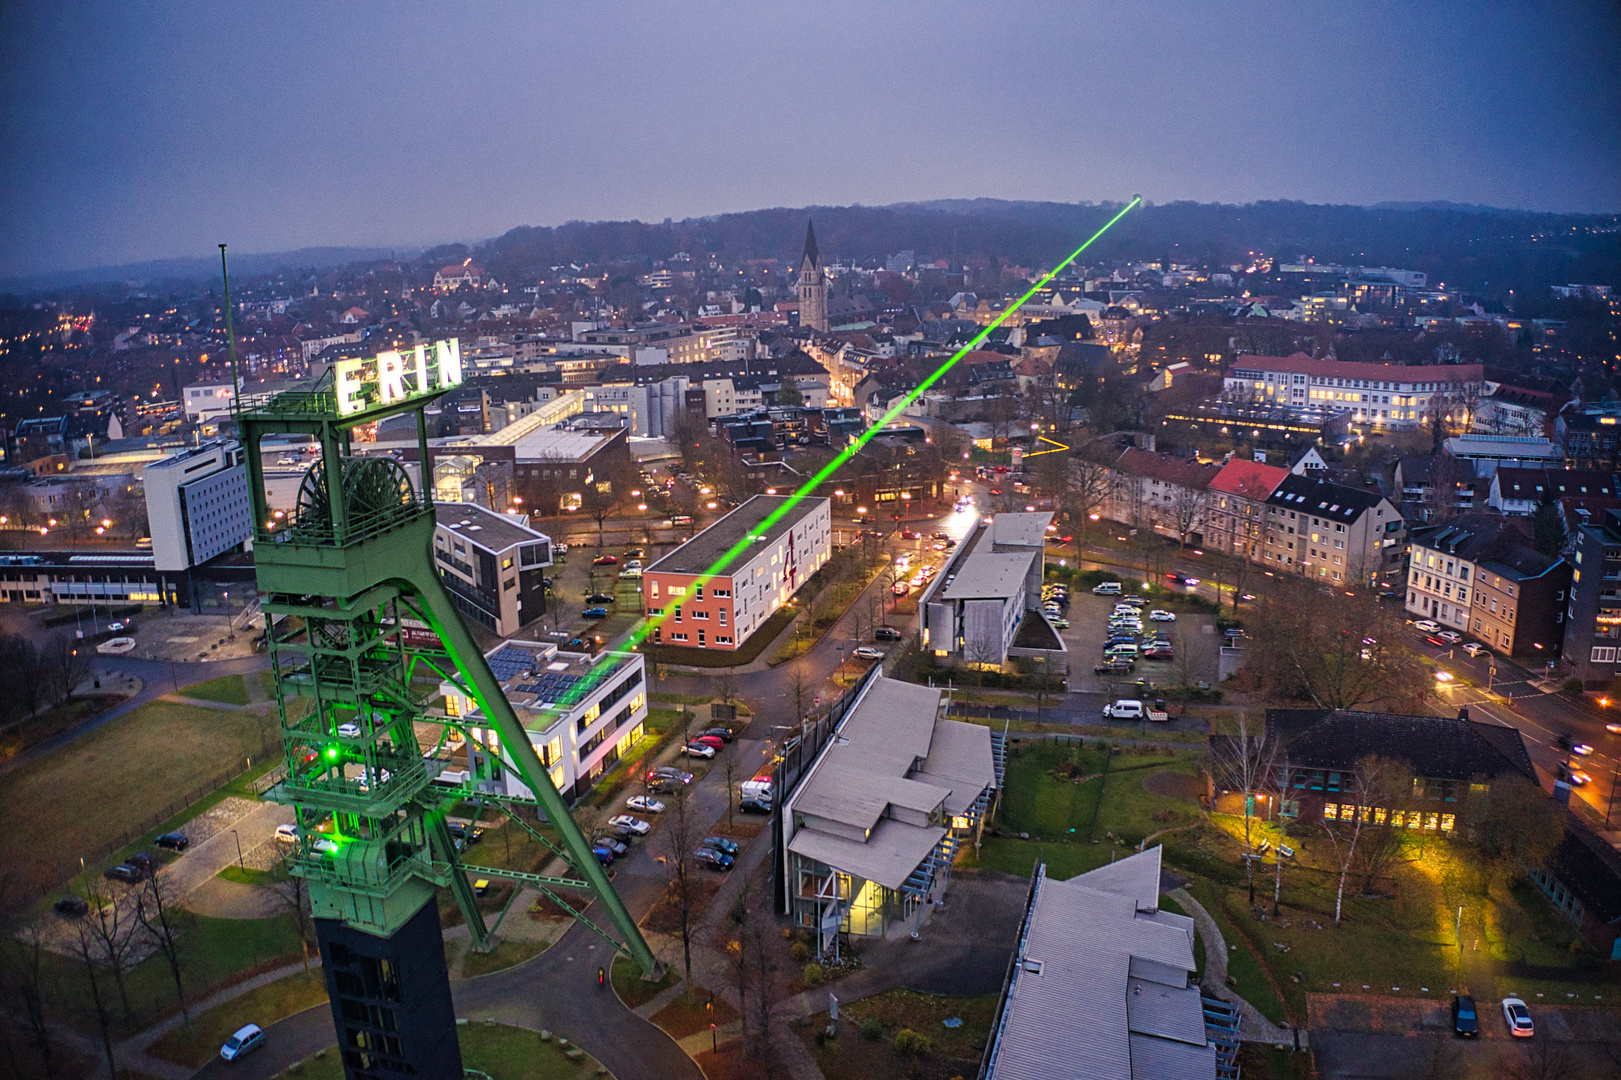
<point x="139" y="131"/>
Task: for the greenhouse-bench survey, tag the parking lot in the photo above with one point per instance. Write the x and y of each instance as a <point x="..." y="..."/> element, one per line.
<point x="1193" y="632"/>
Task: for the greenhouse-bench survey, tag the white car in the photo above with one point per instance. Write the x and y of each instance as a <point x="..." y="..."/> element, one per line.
<point x="867" y="652"/>
<point x="698" y="750"/>
<point x="324" y="846"/>
<point x="646" y="804"/>
<point x="631" y="572"/>
<point x="349" y="731"/>
<point x="1124" y="709"/>
<point x="1161" y="616"/>
<point x="1518" y="1017"/>
<point x="1474" y="648"/>
<point x="630" y="824"/>
<point x="244" y="1039"/>
<point x="287" y="834"/>
<point x="1428" y="626"/>
<point x="1451" y="637"/>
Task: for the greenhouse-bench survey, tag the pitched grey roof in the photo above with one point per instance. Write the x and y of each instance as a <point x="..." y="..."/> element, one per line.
<point x="1102" y="987"/>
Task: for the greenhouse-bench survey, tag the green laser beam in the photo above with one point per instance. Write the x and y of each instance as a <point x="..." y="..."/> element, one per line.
<point x="652" y="622"/>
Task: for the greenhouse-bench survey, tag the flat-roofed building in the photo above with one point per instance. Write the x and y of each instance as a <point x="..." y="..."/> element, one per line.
<point x="973" y="607"/>
<point x="869" y="834"/>
<point x="197" y="504"/>
<point x="582" y="714"/>
<point x="492" y="564"/>
<point x="1386" y="396"/>
<point x="1104" y="986"/>
<point x="720" y="610"/>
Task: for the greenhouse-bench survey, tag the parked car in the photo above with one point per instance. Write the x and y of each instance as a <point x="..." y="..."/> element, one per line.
<point x="287" y="834"/>
<point x="350" y="730"/>
<point x="605" y="560"/>
<point x="173" y="841"/>
<point x="1518" y="1017"/>
<point x="618" y="847"/>
<point x="722" y="845"/>
<point x="723" y="734"/>
<point x="603" y="855"/>
<point x="71" y="907"/>
<point x="1060" y="623"/>
<point x="631" y="572"/>
<point x="669" y="772"/>
<point x="1115" y="667"/>
<point x="1451" y="637"/>
<point x="714" y="742"/>
<point x="867" y="652"/>
<point x="634" y="824"/>
<point x="886" y="633"/>
<point x="713" y="859"/>
<point x="1427" y="626"/>
<point x="1464" y="1020"/>
<point x="1158" y="652"/>
<point x="635" y="553"/>
<point x="1161" y="615"/>
<point x="645" y="804"/>
<point x="1124" y="709"/>
<point x="600" y="598"/>
<point x="1106" y="588"/>
<point x="698" y="749"/>
<point x="1474" y="648"/>
<point x="594" y="613"/>
<point x="462" y="836"/>
<point x="754" y="806"/>
<point x="124" y="872"/>
<point x="244" y="1040"/>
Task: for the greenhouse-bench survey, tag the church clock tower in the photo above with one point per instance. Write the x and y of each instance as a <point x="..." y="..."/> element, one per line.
<point x="812" y="285"/>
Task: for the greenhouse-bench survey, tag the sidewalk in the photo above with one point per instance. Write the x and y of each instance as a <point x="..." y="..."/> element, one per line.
<point x="1252" y="1026"/>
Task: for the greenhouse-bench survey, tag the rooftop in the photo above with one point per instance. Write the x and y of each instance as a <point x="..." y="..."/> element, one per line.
<point x="700" y="554"/>
<point x="891" y="751"/>
<point x="1248" y="479"/>
<point x="1098" y="947"/>
<point x="487" y="529"/>
<point x="1345" y="369"/>
<point x="989" y="575"/>
<point x="1020" y="529"/>
<point x="1436" y="747"/>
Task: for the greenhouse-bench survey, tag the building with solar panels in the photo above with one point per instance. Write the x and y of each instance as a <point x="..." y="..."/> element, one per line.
<point x="582" y="713"/>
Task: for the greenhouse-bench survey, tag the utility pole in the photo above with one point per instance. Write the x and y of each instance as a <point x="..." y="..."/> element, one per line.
<point x="230" y="335"/>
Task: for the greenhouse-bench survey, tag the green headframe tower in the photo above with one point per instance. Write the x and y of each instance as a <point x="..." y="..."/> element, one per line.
<point x="360" y="633"/>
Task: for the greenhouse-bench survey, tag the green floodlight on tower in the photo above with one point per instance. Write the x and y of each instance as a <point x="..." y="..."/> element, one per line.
<point x="645" y="629"/>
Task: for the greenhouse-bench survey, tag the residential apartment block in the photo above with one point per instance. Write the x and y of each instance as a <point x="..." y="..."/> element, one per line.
<point x="720" y="610"/>
<point x="1478" y="574"/>
<point x="1160" y="491"/>
<point x="1592" y="645"/>
<point x="197" y="504"/>
<point x="1335" y="533"/>
<point x="973" y="608"/>
<point x="1385" y="396"/>
<point x="492" y="564"/>
<point x="1236" y="509"/>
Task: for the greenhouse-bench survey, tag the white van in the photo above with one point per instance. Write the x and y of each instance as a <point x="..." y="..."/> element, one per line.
<point x="1124" y="709"/>
<point x="1106" y="588"/>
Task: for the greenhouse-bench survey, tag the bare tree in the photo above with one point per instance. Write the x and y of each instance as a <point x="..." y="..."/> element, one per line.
<point x="599" y="499"/>
<point x="67" y="664"/>
<point x="981" y="652"/>
<point x="87" y="950"/>
<point x="682" y="869"/>
<point x="1338" y="651"/>
<point x="1545" y="1059"/>
<point x="1513" y="823"/>
<point x="111" y="928"/>
<point x="1371" y="788"/>
<point x="22" y="950"/>
<point x="1245" y="760"/>
<point x="1187" y="512"/>
<point x="294" y="893"/>
<point x="799" y="688"/>
<point x="154" y="906"/>
<point x="1089" y="485"/>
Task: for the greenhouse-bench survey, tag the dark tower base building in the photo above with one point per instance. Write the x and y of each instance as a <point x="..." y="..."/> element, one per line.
<point x="390" y="999"/>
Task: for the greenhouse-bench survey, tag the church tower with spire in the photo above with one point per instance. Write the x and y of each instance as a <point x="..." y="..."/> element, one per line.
<point x="812" y="285"/>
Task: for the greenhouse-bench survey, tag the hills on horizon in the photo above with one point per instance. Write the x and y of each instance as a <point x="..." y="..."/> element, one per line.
<point x="1443" y="237"/>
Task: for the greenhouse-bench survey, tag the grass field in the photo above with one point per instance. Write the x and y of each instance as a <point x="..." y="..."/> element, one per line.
<point x="213" y="953"/>
<point x="227" y="690"/>
<point x="85" y="798"/>
<point x="634" y="990"/>
<point x="504" y="955"/>
<point x="263" y="1006"/>
<point x="856" y="1055"/>
<point x="507" y="1053"/>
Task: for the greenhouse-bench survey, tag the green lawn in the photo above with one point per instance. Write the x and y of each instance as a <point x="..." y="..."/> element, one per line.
<point x="634" y="990"/>
<point x="856" y="1055"/>
<point x="118" y="780"/>
<point x="506" y="1053"/>
<point x="227" y="689"/>
<point x="263" y="1006"/>
<point x="1064" y="861"/>
<point x="1038" y="802"/>
<point x="1242" y="963"/>
<point x="506" y="954"/>
<point x="213" y="953"/>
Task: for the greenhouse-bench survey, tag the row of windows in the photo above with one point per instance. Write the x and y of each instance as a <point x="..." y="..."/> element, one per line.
<point x="1427" y="820"/>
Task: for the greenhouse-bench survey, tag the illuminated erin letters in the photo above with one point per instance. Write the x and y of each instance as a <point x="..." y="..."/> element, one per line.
<point x="394" y="376"/>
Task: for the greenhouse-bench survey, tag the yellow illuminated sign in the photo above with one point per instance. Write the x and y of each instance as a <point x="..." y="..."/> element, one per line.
<point x="395" y="376"/>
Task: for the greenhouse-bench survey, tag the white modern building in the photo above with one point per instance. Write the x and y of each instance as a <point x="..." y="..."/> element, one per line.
<point x="1103" y="986"/>
<point x="208" y="401"/>
<point x="582" y="714"/>
<point x="492" y="564"/>
<point x="197" y="504"/>
<point x="869" y="834"/>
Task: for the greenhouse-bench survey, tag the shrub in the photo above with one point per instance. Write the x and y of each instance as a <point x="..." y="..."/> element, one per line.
<point x="800" y="952"/>
<point x="910" y="1042"/>
<point x="872" y="1029"/>
<point x="1573" y="686"/>
<point x="815" y="975"/>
